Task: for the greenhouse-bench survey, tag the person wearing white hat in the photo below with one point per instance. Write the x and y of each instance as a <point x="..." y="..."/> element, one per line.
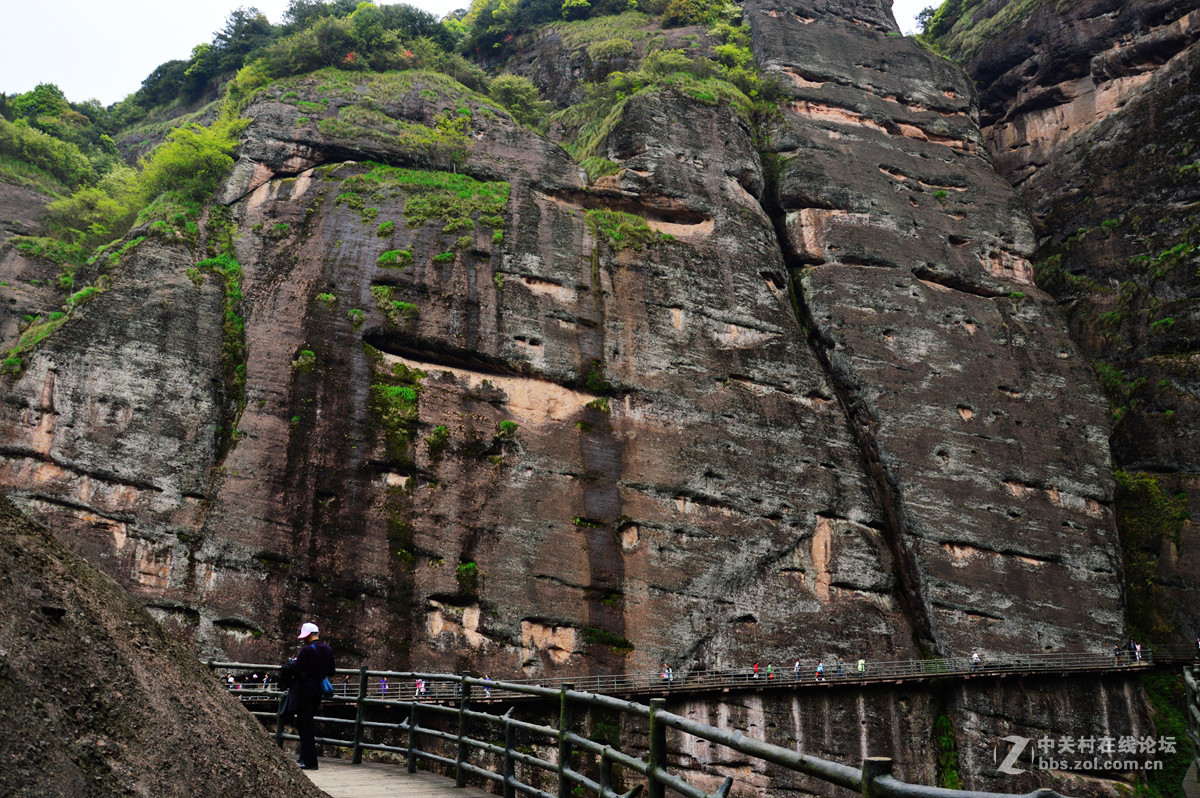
<point x="314" y="662"/>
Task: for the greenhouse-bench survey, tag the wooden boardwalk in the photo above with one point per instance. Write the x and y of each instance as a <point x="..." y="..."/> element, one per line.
<point x="337" y="778"/>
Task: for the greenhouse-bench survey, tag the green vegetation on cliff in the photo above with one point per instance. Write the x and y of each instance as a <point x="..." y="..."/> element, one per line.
<point x="394" y="398"/>
<point x="959" y="28"/>
<point x="1147" y="519"/>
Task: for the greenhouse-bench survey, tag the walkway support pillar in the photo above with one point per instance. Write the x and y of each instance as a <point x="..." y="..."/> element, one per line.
<point x="566" y="720"/>
<point x="414" y="717"/>
<point x="510" y="765"/>
<point x="360" y="709"/>
<point x="460" y="775"/>
<point x="656" y="759"/>
<point x="873" y="768"/>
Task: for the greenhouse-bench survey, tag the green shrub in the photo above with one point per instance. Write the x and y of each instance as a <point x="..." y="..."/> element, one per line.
<point x="356" y="316"/>
<point x="62" y="159"/>
<point x="304" y="362"/>
<point x="436" y="440"/>
<point x="621" y="230"/>
<point x="610" y="49"/>
<point x="385" y="229"/>
<point x="519" y="96"/>
<point x="395" y="259"/>
<point x="575" y="9"/>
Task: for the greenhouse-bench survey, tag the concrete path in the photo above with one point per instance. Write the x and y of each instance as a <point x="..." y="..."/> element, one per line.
<point x="340" y="779"/>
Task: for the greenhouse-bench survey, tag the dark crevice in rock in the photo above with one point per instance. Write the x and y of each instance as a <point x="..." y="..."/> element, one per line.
<point x="969" y="612"/>
<point x="1056" y="559"/>
<point x="665" y="209"/>
<point x="451" y="599"/>
<point x="861" y="425"/>
<point x="953" y="282"/>
<point x="237" y="625"/>
<point x="433" y="351"/>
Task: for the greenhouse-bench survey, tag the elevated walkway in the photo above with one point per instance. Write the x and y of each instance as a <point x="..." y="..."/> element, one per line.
<point x="338" y="778"/>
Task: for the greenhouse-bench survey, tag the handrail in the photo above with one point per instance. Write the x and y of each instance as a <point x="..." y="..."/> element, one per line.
<point x="426" y="740"/>
<point x="653" y="683"/>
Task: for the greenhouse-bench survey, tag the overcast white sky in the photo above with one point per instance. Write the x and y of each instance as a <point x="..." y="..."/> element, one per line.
<point x="103" y="49"/>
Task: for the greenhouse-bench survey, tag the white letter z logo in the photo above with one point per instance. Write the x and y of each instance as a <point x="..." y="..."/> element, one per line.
<point x="1014" y="753"/>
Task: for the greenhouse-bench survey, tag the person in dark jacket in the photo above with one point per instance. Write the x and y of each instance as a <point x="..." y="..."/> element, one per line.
<point x="314" y="662"/>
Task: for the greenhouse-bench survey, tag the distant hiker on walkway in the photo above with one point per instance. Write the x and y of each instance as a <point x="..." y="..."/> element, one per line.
<point x="668" y="675"/>
<point x="862" y="667"/>
<point x="1137" y="652"/>
<point x="1116" y="654"/>
<point x="770" y="671"/>
<point x="756" y="670"/>
<point x="839" y="667"/>
<point x="975" y="660"/>
<point x="820" y="670"/>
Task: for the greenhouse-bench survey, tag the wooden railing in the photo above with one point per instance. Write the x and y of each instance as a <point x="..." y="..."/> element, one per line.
<point x="448" y="724"/>
<point x="403" y="684"/>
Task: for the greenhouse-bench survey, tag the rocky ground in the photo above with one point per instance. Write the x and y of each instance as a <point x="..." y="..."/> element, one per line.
<point x="97" y="700"/>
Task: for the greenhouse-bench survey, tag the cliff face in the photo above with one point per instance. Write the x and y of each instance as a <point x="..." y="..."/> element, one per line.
<point x="1099" y="137"/>
<point x="771" y="389"/>
<point x="483" y="389"/>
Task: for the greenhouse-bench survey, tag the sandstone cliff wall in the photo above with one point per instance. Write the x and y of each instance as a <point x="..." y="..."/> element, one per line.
<point x="767" y="391"/>
<point x="1091" y="112"/>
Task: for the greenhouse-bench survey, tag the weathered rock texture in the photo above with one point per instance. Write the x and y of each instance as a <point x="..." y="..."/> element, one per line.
<point x="97" y="700"/>
<point x="733" y="402"/>
<point x="1092" y="112"/>
<point x="983" y="432"/>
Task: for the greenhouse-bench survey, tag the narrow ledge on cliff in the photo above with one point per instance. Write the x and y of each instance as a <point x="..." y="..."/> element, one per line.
<point x="953" y="282"/>
<point x="12" y="453"/>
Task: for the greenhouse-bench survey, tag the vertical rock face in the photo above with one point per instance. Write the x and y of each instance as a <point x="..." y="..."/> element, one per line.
<point x="485" y="415"/>
<point x="984" y="434"/>
<point x="1100" y="138"/>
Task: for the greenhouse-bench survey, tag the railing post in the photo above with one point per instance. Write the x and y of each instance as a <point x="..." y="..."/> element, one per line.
<point x="656" y="759"/>
<point x="873" y="768"/>
<point x="460" y="775"/>
<point x="566" y="720"/>
<point x="279" y="720"/>
<point x="413" y="719"/>
<point x="606" y="774"/>
<point x="510" y="765"/>
<point x="359" y="711"/>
